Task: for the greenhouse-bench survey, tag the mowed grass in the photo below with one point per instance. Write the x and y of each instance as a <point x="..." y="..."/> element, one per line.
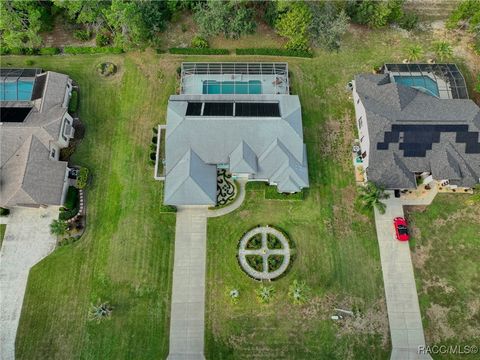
<point x="337" y="251"/>
<point x="446" y="259"/>
<point x="126" y="254"/>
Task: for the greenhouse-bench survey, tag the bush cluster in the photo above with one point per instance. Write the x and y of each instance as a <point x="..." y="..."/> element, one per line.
<point x="49" y="51"/>
<point x="82" y="178"/>
<point x="71" y="198"/>
<point x="199" y="43"/>
<point x="274" y="52"/>
<point x="102" y="39"/>
<point x="83" y="35"/>
<point x="66" y="214"/>
<point x="73" y="104"/>
<point x="198" y="51"/>
<point x="74" y="50"/>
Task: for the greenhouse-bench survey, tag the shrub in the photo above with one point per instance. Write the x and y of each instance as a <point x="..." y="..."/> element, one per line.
<point x="298" y="291"/>
<point x="255" y="242"/>
<point x="74" y="50"/>
<point x="265" y="294"/>
<point x="408" y="21"/>
<point x="82" y="178"/>
<point x="274" y="262"/>
<point x="29" y="62"/>
<point x="71" y="199"/>
<point x="58" y="227"/>
<point x="73" y="104"/>
<point x="154" y="139"/>
<point x="67" y="214"/>
<point x="184" y="28"/>
<point x="274" y="52"/>
<point x="4" y="212"/>
<point x="155" y="130"/>
<point x="83" y="35"/>
<point x="198" y="51"/>
<point x="199" y="43"/>
<point x="153" y="156"/>
<point x="102" y="39"/>
<point x="49" y="51"/>
<point x="4" y="50"/>
<point x="477" y="86"/>
<point x="443" y="50"/>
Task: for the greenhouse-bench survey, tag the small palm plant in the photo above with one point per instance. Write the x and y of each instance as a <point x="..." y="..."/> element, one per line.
<point x="443" y="50"/>
<point x="414" y="52"/>
<point x="100" y="312"/>
<point x="371" y="196"/>
<point x="234" y="295"/>
<point x="265" y="294"/>
<point x="58" y="227"/>
<point x="299" y="291"/>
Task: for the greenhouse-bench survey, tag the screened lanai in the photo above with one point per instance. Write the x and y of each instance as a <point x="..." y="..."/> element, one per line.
<point x="444" y="81"/>
<point x="17" y="84"/>
<point x="234" y="78"/>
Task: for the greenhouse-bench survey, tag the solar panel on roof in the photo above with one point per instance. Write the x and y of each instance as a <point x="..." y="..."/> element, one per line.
<point x="194" y="108"/>
<point x="417" y="139"/>
<point x="257" y="109"/>
<point x="218" y="109"/>
<point x="14" y="114"/>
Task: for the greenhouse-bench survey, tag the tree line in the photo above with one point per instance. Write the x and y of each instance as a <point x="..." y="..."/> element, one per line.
<point x="131" y="24"/>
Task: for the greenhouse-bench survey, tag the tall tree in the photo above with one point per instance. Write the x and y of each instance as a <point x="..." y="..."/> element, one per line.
<point x="88" y="12"/>
<point x="328" y="25"/>
<point x="20" y="23"/>
<point x="233" y="19"/>
<point x="372" y="195"/>
<point x="294" y="25"/>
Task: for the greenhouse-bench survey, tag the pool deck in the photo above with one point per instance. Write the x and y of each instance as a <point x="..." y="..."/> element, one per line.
<point x="271" y="84"/>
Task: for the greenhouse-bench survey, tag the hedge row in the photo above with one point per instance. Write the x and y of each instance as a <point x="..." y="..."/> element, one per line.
<point x="274" y="52"/>
<point x="198" y="51"/>
<point x="91" y="50"/>
<point x="66" y="50"/>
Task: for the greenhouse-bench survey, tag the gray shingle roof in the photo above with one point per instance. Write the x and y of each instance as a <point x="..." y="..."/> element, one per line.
<point x="265" y="147"/>
<point x="389" y="104"/>
<point x="191" y="182"/>
<point x="27" y="175"/>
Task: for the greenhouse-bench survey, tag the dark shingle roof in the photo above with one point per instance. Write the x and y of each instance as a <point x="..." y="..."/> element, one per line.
<point x="411" y="131"/>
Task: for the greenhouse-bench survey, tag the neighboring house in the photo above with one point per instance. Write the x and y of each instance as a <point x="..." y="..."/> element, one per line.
<point x="34" y="126"/>
<point x="415" y="121"/>
<point x="234" y="116"/>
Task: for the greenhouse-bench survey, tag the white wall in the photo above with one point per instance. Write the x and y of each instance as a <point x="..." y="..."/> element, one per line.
<point x="363" y="129"/>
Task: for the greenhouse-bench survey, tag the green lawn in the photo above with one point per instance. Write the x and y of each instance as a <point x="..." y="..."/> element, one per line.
<point x="337" y="251"/>
<point x="125" y="257"/>
<point x="446" y="258"/>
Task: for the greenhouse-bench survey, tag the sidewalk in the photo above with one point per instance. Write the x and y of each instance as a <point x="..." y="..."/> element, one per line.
<point x="187" y="320"/>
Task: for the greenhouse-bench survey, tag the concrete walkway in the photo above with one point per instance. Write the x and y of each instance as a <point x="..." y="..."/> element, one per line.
<point x="187" y="320"/>
<point x="234" y="205"/>
<point x="401" y="293"/>
<point x="27" y="240"/>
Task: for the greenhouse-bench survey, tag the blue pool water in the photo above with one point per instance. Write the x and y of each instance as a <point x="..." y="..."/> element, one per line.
<point x="14" y="91"/>
<point x="232" y="87"/>
<point x="424" y="83"/>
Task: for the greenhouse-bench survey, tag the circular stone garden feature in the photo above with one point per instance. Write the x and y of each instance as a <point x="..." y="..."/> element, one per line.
<point x="264" y="253"/>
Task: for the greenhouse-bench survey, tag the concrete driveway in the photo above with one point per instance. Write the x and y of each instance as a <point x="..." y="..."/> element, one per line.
<point x="27" y="240"/>
<point x="404" y="316"/>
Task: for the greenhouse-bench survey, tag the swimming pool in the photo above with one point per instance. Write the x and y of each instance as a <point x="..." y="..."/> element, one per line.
<point x="424" y="83"/>
<point x="20" y="90"/>
<point x="232" y="87"/>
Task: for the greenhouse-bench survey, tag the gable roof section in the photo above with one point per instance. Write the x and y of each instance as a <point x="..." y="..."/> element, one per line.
<point x="243" y="159"/>
<point x="191" y="182"/>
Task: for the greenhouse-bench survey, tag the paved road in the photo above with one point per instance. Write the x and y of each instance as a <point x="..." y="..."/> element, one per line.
<point x="187" y="320"/>
<point x="27" y="241"/>
<point x="401" y="293"/>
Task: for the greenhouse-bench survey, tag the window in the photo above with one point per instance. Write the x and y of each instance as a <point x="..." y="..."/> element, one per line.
<point x="361" y="139"/>
<point x="364" y="154"/>
<point x="358" y="100"/>
<point x="360" y="122"/>
<point x="52" y="154"/>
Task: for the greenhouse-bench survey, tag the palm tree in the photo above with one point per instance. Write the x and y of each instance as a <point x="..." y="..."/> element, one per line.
<point x="414" y="52"/>
<point x="298" y="291"/>
<point x="265" y="294"/>
<point x="370" y="196"/>
<point x="443" y="50"/>
<point x="58" y="227"/>
<point x="101" y="312"/>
